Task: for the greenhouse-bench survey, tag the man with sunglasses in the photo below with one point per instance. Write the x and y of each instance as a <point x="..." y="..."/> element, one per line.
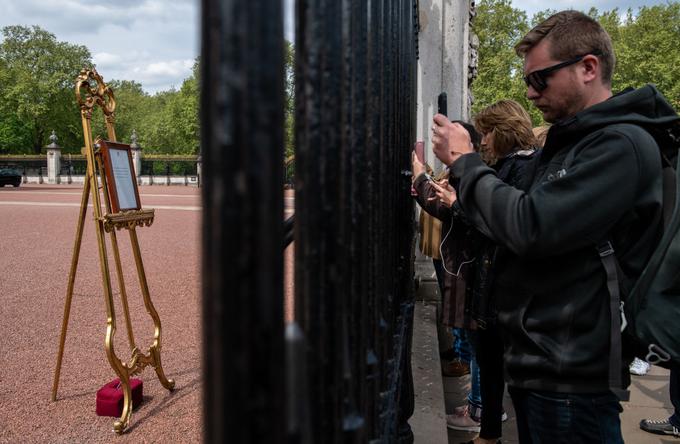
<point x="597" y="181"/>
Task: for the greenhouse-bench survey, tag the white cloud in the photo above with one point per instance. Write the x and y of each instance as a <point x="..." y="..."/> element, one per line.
<point x="153" y="42"/>
<point x="171" y="68"/>
<point x="106" y="59"/>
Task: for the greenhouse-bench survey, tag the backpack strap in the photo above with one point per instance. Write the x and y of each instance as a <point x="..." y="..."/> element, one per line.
<point x="612" y="268"/>
<point x="616" y="315"/>
<point x="669" y="176"/>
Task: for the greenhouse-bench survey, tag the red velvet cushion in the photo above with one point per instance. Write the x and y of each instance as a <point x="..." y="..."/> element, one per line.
<point x="110" y="397"/>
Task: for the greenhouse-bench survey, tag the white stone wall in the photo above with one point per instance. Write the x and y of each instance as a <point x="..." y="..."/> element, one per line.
<point x="145" y="180"/>
<point x="443" y="44"/>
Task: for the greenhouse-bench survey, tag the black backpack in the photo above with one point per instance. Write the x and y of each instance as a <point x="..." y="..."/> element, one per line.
<point x="650" y="313"/>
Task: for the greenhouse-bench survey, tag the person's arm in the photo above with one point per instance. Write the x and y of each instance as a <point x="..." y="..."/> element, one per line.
<point x="579" y="208"/>
<point x="428" y="200"/>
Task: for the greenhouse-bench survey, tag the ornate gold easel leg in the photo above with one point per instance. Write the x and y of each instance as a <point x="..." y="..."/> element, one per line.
<point x="120" y="425"/>
<point x="121" y="280"/>
<point x="71" y="282"/>
<point x="155" y="349"/>
<point x="116" y="363"/>
<point x="121" y="370"/>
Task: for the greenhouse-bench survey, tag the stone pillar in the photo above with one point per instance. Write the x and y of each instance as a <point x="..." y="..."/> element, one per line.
<point x="136" y="156"/>
<point x="443" y="43"/>
<point x="199" y="163"/>
<point x="53" y="160"/>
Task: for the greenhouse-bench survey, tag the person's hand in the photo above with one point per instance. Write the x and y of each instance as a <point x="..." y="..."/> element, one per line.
<point x="445" y="193"/>
<point x="417" y="167"/>
<point x="449" y="140"/>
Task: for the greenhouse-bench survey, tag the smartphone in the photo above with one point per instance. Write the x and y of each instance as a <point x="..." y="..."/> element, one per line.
<point x="441" y="104"/>
<point x="419" y="148"/>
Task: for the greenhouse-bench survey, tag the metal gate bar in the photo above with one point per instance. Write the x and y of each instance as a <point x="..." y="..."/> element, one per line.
<point x="345" y="374"/>
<point x="242" y="120"/>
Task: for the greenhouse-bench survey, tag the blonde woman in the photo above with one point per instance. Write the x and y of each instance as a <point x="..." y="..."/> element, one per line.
<point x="507" y="137"/>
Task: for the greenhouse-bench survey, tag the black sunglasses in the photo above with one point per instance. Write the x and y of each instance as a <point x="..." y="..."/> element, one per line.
<point x="539" y="79"/>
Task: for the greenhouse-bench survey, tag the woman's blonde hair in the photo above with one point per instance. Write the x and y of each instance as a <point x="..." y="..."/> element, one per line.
<point x="510" y="124"/>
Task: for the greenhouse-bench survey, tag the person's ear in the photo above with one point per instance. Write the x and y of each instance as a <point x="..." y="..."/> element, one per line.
<point x="591" y="68"/>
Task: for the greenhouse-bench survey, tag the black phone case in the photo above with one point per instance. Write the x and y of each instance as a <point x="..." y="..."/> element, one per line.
<point x="441" y="104"/>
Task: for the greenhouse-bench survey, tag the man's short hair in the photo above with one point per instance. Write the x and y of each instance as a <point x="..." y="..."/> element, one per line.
<point x="510" y="124"/>
<point x="572" y="34"/>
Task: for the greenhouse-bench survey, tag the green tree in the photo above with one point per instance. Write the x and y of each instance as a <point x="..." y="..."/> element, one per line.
<point x="499" y="27"/>
<point x="37" y="74"/>
<point x="646" y="47"/>
<point x="170" y="124"/>
<point x="132" y="108"/>
<point x="132" y="104"/>
<point x="289" y="73"/>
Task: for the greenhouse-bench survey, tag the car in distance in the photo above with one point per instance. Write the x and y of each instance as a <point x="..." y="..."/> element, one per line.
<point x="9" y="176"/>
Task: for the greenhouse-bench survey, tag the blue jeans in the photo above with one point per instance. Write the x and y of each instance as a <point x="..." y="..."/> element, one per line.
<point x="475" y="396"/>
<point x="549" y="417"/>
<point x="675" y="395"/>
<point x="461" y="344"/>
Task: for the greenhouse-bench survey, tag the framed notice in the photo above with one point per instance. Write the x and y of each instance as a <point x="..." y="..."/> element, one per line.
<point x="120" y="176"/>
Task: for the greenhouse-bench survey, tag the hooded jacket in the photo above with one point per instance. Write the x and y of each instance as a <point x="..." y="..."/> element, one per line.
<point x="550" y="289"/>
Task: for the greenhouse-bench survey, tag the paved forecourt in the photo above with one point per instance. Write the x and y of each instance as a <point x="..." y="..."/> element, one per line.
<point x="38" y="226"/>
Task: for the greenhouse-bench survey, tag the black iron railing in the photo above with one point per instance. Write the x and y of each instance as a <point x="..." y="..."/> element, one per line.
<point x="355" y="80"/>
<point x="347" y="374"/>
<point x="242" y="146"/>
<point x="27" y="165"/>
<point x="160" y="169"/>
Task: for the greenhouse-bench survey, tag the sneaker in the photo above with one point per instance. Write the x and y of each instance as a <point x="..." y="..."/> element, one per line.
<point x="639" y="367"/>
<point x="460" y="410"/>
<point x="477" y="412"/>
<point x="462" y="420"/>
<point x="472" y="441"/>
<point x="659" y="427"/>
<point x="456" y="368"/>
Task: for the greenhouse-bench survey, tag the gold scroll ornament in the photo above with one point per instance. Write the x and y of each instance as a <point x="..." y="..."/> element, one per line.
<point x="92" y="92"/>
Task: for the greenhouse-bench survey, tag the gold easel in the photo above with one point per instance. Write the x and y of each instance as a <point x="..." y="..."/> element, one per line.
<point x="91" y="91"/>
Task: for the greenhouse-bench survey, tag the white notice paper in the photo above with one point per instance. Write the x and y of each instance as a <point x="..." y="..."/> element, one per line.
<point x="123" y="178"/>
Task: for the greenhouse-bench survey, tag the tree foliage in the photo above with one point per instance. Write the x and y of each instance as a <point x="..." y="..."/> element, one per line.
<point x="36" y="79"/>
<point x="498" y="26"/>
<point x="289" y="104"/>
<point x="645" y="41"/>
<point x="37" y="76"/>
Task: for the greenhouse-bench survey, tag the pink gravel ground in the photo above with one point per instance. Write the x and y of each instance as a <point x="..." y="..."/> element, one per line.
<point x="38" y="224"/>
<point x="36" y="244"/>
<point x="289" y="262"/>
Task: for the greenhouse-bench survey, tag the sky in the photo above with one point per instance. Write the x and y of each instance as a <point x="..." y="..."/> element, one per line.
<point x="155" y="42"/>
<point x="533" y="6"/>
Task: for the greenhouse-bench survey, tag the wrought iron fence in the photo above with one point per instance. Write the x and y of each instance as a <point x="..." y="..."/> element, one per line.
<point x="161" y="168"/>
<point x="347" y="374"/>
<point x="164" y="169"/>
<point x="73" y="165"/>
<point x="27" y="165"/>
